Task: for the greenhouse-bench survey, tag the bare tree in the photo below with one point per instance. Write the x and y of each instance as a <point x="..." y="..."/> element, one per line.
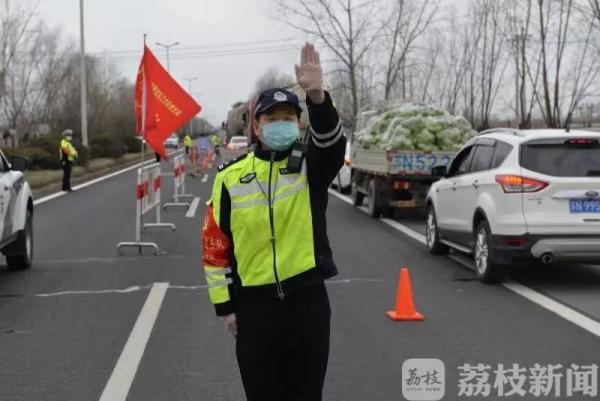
<point x="409" y="20"/>
<point x="53" y="70"/>
<point x="346" y="27"/>
<point x="444" y="66"/>
<point x="519" y="24"/>
<point x="566" y="34"/>
<point x="550" y="103"/>
<point x="14" y="24"/>
<point x="20" y="81"/>
<point x="594" y="6"/>
<point x="272" y="78"/>
<point x="489" y="60"/>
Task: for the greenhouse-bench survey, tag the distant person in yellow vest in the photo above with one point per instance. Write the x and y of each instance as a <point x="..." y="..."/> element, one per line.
<point x="216" y="142"/>
<point x="187" y="142"/>
<point x="68" y="155"/>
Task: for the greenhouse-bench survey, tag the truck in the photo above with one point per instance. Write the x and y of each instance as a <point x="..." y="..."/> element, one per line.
<point x="392" y="178"/>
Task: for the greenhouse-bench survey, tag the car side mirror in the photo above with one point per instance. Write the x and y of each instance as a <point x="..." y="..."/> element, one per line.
<point x="439" y="171"/>
<point x="19" y="163"/>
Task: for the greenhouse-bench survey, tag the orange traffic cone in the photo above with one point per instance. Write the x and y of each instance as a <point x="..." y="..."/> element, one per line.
<point x="405" y="307"/>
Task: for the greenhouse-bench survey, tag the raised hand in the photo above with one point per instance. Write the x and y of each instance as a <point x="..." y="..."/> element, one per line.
<point x="309" y="73"/>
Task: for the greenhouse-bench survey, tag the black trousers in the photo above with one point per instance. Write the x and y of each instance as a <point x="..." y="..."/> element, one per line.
<point x="66" y="166"/>
<point x="283" y="345"/>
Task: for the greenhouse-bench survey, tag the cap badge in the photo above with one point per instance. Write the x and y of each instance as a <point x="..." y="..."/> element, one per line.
<point x="280" y="96"/>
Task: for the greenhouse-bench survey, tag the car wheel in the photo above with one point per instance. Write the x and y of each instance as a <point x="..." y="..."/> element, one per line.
<point x="432" y="236"/>
<point x="357" y="197"/>
<point x="486" y="268"/>
<point x="22" y="258"/>
<point x="374" y="210"/>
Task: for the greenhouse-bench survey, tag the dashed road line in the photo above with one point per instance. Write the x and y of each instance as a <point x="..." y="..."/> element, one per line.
<point x="204" y="178"/>
<point x="191" y="213"/>
<point x="560" y="309"/>
<point x="122" y="376"/>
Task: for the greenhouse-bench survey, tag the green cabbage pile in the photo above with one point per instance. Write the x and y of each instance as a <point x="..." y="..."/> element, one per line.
<point x="413" y="127"/>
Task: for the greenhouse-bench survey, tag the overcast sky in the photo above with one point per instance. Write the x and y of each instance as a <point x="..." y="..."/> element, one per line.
<point x="212" y="34"/>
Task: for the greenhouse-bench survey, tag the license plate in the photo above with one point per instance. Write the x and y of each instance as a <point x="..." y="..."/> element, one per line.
<point x="585" y="205"/>
<point x="418" y="163"/>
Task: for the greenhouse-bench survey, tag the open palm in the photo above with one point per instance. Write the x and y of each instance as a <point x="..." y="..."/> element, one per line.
<point x="309" y="73"/>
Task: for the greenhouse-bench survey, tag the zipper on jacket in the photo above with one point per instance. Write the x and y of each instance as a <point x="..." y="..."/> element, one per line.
<point x="270" y="196"/>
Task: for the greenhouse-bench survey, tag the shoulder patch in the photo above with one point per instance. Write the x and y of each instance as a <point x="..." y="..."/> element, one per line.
<point x="232" y="161"/>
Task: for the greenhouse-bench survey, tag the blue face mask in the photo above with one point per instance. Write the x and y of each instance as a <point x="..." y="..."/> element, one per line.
<point x="280" y="135"/>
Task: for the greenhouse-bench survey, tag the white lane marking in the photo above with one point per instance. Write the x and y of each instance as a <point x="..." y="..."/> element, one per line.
<point x="188" y="287"/>
<point x="577" y="318"/>
<point x="341" y="197"/>
<point x="191" y="213"/>
<point x="204" y="178"/>
<point x="122" y="376"/>
<point x="138" y="288"/>
<point x="406" y="230"/>
<point x="127" y="290"/>
<point x="357" y="280"/>
<point x="562" y="310"/>
<point x="92" y="182"/>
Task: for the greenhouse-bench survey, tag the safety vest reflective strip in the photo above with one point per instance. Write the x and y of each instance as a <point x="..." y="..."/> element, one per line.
<point x="217" y="283"/>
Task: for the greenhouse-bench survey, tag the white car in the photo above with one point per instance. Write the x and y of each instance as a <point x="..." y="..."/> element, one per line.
<point x="343" y="180"/>
<point x="237" y="143"/>
<point x="16" y="213"/>
<point x="172" y="141"/>
<point x="513" y="196"/>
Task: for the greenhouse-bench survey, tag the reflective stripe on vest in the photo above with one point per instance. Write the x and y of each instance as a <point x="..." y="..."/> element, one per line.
<point x="217" y="283"/>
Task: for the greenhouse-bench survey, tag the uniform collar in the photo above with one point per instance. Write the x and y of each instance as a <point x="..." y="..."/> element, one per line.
<point x="264" y="154"/>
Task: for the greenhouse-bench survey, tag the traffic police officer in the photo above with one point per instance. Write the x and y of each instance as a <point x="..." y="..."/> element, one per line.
<point x="265" y="247"/>
<point x="68" y="155"/>
<point x="187" y="143"/>
<point x="216" y="142"/>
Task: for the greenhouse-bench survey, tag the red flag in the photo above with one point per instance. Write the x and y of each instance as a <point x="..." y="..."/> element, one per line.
<point x="161" y="105"/>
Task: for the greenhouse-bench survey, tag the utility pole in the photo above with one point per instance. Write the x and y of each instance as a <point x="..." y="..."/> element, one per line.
<point x="168" y="48"/>
<point x="190" y="80"/>
<point x="83" y="74"/>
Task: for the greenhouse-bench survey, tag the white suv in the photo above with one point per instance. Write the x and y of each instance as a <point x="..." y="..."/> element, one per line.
<point x="16" y="213"/>
<point x="513" y="196"/>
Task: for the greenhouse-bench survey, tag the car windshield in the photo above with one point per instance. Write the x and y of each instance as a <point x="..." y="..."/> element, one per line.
<point x="568" y="158"/>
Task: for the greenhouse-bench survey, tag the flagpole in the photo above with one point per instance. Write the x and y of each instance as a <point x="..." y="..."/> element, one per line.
<point x="144" y="109"/>
<point x="144" y="101"/>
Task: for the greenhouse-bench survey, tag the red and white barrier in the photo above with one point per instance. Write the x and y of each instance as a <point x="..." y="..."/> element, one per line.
<point x="194" y="158"/>
<point x="179" y="184"/>
<point x="147" y="198"/>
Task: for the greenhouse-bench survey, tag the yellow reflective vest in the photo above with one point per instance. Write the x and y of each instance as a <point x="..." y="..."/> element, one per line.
<point x="187" y="141"/>
<point x="67" y="151"/>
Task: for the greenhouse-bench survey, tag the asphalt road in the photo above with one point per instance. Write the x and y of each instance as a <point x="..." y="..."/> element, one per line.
<point x="65" y="324"/>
